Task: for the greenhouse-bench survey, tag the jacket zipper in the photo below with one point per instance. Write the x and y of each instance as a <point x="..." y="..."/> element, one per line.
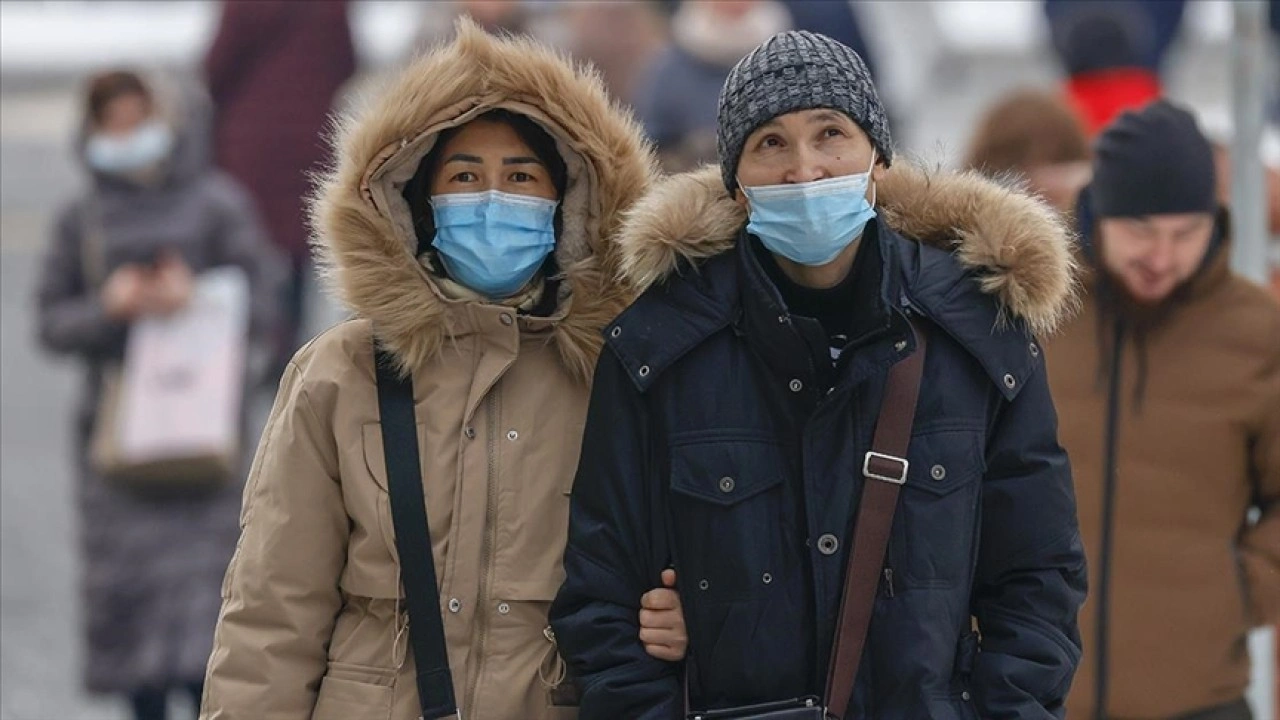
<point x="486" y="547"/>
<point x="1101" y="649"/>
<point x="888" y="581"/>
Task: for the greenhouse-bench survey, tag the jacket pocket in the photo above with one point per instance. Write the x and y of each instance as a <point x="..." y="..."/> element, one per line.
<point x="935" y="526"/>
<point x="351" y="692"/>
<point x="726" y="505"/>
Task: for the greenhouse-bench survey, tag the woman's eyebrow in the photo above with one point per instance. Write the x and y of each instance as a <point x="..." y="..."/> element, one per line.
<point x="522" y="160"/>
<point x="463" y="157"/>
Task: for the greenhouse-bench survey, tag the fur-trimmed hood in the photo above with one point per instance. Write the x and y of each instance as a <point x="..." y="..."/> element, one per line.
<point x="362" y="231"/>
<point x="1019" y="248"/>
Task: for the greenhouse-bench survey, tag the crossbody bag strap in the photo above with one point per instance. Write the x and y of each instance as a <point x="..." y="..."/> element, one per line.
<point x="413" y="540"/>
<point x="884" y="472"/>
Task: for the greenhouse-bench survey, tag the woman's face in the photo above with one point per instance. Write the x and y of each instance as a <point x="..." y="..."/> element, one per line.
<point x="486" y="155"/>
<point x="124" y="114"/>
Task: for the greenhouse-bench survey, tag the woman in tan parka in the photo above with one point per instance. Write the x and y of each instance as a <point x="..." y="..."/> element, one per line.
<point x="499" y="348"/>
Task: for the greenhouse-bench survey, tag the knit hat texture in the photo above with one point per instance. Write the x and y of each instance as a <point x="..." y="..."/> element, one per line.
<point x="796" y="70"/>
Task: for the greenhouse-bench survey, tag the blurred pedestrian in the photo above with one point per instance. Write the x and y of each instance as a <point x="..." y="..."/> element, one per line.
<point x="619" y="38"/>
<point x="676" y="95"/>
<point x="676" y="98"/>
<point x="466" y="226"/>
<point x="274" y="69"/>
<point x="155" y="215"/>
<point x="1033" y="136"/>
<point x="1113" y="52"/>
<point x="741" y="419"/>
<point x="1168" y="392"/>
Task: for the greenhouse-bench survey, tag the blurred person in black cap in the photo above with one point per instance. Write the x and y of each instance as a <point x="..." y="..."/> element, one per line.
<point x="734" y="431"/>
<point x="1168" y="389"/>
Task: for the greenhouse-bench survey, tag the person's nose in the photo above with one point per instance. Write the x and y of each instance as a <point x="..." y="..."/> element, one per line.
<point x="806" y="166"/>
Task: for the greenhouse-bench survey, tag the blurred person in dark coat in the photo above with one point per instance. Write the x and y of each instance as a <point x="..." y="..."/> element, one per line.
<point x="155" y="215"/>
<point x="676" y="95"/>
<point x="274" y="69"/>
<point x="1168" y="393"/>
<point x="1033" y="136"/>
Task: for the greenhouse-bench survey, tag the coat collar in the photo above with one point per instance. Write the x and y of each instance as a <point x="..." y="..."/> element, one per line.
<point x="986" y="264"/>
<point x="1016" y="248"/>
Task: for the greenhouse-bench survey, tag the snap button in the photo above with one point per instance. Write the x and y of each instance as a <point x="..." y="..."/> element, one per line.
<point x="505" y="318"/>
<point x="900" y="345"/>
<point x="828" y="544"/>
<point x="455" y="605"/>
<point x="783" y="319"/>
<point x="796" y="385"/>
<point x="965" y="696"/>
<point x="503" y="608"/>
<point x="937" y="472"/>
<point x="1010" y="381"/>
<point x="512" y="435"/>
<point x="616" y="332"/>
<point x="644" y="371"/>
<point x="726" y="484"/>
<point x="703" y="585"/>
<point x="767" y="578"/>
<point x="470" y="432"/>
<point x="1035" y="350"/>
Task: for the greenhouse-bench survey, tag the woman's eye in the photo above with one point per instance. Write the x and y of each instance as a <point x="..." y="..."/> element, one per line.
<point x="465" y="176"/>
<point x="521" y="177"/>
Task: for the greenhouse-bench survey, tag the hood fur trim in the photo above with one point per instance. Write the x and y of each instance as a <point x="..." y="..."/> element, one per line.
<point x="1019" y="248"/>
<point x="363" y="240"/>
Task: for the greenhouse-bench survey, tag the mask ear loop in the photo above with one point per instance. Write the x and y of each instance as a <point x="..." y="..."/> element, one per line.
<point x="874" y="185"/>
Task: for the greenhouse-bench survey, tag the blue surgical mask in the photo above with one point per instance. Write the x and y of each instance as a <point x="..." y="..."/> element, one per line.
<point x="811" y="223"/>
<point x="493" y="242"/>
<point x="141" y="149"/>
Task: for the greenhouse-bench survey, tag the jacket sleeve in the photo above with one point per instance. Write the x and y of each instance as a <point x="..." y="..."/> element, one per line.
<point x="280" y="595"/>
<point x="1030" y="579"/>
<point x="1260" y="543"/>
<point x="610" y="562"/>
<point x="72" y="319"/>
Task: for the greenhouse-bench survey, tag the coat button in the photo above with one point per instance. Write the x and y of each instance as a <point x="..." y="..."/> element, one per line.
<point x="703" y="584"/>
<point x="1010" y="381"/>
<point x="767" y="578"/>
<point x="455" y="605"/>
<point x="937" y="472"/>
<point x="965" y="696"/>
<point x="784" y="319"/>
<point x="503" y="608"/>
<point x="900" y="345"/>
<point x="726" y="484"/>
<point x="505" y="318"/>
<point x="828" y="544"/>
<point x="512" y="435"/>
<point x="796" y="385"/>
<point x="616" y="332"/>
<point x="470" y="432"/>
<point x="644" y="371"/>
<point x="1035" y="350"/>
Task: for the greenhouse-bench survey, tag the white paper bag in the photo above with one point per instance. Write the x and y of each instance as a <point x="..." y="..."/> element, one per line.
<point x="175" y="410"/>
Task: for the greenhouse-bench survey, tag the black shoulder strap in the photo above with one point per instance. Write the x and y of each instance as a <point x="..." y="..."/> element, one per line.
<point x="413" y="540"/>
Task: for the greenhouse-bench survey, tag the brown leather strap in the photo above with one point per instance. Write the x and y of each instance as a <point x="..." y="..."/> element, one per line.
<point x="884" y="471"/>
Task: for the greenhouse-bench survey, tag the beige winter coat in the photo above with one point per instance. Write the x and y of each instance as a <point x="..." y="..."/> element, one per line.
<point x="312" y="624"/>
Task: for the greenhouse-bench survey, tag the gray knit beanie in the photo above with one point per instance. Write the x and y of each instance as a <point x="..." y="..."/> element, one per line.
<point x="796" y="70"/>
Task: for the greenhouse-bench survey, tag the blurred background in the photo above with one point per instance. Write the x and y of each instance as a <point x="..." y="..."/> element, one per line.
<point x="940" y="67"/>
